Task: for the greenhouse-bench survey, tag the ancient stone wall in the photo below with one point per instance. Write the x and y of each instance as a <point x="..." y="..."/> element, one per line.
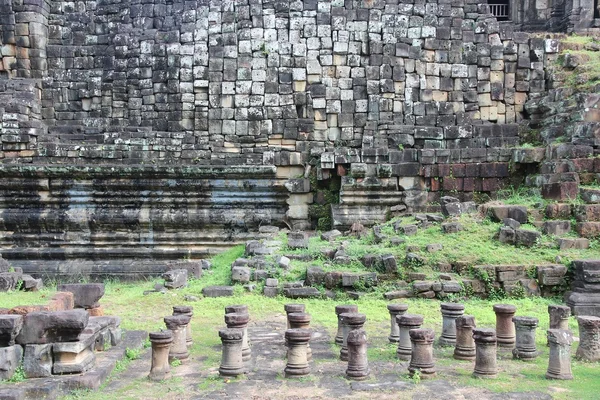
<point x="398" y="100"/>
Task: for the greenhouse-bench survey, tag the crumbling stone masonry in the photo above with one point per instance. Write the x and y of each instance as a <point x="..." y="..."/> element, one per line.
<point x="137" y="132"/>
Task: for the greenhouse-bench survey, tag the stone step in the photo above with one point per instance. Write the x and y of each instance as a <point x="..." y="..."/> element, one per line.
<point x="557" y="227"/>
<point x="558" y="211"/>
<point x="588" y="212"/>
<point x="573" y="243"/>
<point x="499" y="213"/>
<point x="590" y="195"/>
<point x="560" y="191"/>
<point x="588" y="229"/>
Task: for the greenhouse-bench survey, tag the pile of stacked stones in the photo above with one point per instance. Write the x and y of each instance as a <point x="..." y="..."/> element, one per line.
<point x="415" y="343"/>
<point x="61" y="338"/>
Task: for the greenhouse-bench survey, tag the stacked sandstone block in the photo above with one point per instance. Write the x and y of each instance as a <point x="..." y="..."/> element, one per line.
<point x="59" y="338"/>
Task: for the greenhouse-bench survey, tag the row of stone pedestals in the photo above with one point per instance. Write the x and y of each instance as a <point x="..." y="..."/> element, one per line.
<point x="60" y="338"/>
<point x="414" y="343"/>
<point x="480" y="344"/>
<point x="171" y="344"/>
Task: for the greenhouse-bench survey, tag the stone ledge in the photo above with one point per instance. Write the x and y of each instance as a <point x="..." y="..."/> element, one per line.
<point x="135" y="171"/>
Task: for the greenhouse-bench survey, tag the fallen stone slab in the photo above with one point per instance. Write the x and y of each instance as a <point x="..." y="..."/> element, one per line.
<point x="398" y="294"/>
<point x="240" y="274"/>
<point x="526" y="238"/>
<point x="85" y="295"/>
<point x="330" y="236"/>
<point x="301" y="293"/>
<point x="47" y="327"/>
<point x="451" y="227"/>
<point x="217" y="291"/>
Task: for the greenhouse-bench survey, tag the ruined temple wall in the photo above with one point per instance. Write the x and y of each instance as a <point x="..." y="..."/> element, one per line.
<point x="269" y="82"/>
<point x="174" y="128"/>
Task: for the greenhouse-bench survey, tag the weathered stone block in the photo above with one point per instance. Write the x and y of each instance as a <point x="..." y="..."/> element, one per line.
<point x="217" y="291"/>
<point x="175" y="279"/>
<point x="240" y="274"/>
<point x="301" y="293"/>
<point x="297" y="240"/>
<point x="46" y="327"/>
<point x="37" y="360"/>
<point x="556" y="228"/>
<point x="499" y="213"/>
<point x="85" y="295"/>
<point x="74" y="357"/>
<point x="10" y="359"/>
<point x="588" y="229"/>
<point x="560" y="191"/>
<point x="10" y="326"/>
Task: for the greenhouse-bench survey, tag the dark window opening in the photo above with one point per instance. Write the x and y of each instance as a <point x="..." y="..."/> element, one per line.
<point x="500" y="9"/>
<point x="596" y="11"/>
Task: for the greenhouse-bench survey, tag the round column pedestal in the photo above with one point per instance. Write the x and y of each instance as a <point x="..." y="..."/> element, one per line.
<point x="465" y="344"/>
<point x="186" y="310"/>
<point x="350" y="321"/>
<point x="161" y="343"/>
<point x="525" y="348"/>
<point x="395" y="310"/>
<point x="342" y="309"/>
<point x="406" y="322"/>
<point x="505" y="329"/>
<point x="297" y="362"/>
<point x="422" y="353"/>
<point x="485" y="353"/>
<point x="240" y="321"/>
<point x="232" y="363"/>
<point x="450" y="311"/>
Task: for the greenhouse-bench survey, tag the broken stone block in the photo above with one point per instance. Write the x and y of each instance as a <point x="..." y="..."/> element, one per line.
<point x="558" y="211"/>
<point x="408" y="230"/>
<point x="297" y="240"/>
<point x="10" y="359"/>
<point x="37" y="360"/>
<point x="217" y="291"/>
<point x="284" y="262"/>
<point x="4" y="265"/>
<point x="434" y="247"/>
<point x="330" y="236"/>
<point x="556" y="228"/>
<point x="256" y="248"/>
<point x="74" y="357"/>
<point x="270" y="291"/>
<point x="551" y="275"/>
<point x="175" y="279"/>
<point x="378" y="235"/>
<point x="451" y="227"/>
<point x="507" y="234"/>
<point x="10" y="326"/>
<point x="31" y="284"/>
<point x="452" y="287"/>
<point x="590" y="195"/>
<point x="194" y="268"/>
<point x="398" y="294"/>
<point x="413" y="259"/>
<point x="511" y="223"/>
<point x="46" y="327"/>
<point x="499" y="213"/>
<point x="9" y="281"/>
<point x="62" y="301"/>
<point x="389" y="263"/>
<point x="526" y="238"/>
<point x="85" y="295"/>
<point x="240" y="274"/>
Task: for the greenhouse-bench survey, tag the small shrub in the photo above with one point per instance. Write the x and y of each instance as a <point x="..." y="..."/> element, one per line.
<point x="132" y="354"/>
<point x="18" y="376"/>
